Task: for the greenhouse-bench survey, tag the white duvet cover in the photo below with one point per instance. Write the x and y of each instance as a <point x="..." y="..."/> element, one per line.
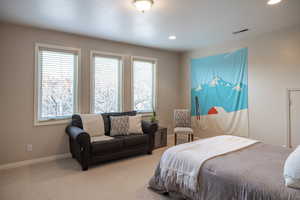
<point x="183" y="162"/>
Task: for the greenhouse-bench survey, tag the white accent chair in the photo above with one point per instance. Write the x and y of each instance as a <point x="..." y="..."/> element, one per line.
<point x="182" y="119"/>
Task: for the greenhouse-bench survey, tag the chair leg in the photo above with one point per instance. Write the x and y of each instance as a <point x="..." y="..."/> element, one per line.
<point x="189" y="137"/>
<point x="175" y="139"/>
<point x="192" y="135"/>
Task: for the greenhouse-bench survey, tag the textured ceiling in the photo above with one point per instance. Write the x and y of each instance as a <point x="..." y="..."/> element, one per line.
<point x="196" y="23"/>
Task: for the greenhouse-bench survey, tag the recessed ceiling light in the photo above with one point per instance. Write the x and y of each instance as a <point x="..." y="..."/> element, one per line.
<point x="143" y="5"/>
<point x="172" y="37"/>
<point x="272" y="2"/>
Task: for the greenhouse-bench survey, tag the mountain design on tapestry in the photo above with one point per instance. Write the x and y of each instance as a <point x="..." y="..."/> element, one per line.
<point x="219" y="93"/>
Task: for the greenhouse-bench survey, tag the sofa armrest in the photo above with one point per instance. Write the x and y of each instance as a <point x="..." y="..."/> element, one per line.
<point x="78" y="135"/>
<point x="150" y="128"/>
<point x="79" y="145"/>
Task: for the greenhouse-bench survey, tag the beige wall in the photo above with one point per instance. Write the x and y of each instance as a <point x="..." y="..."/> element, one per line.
<point x="274" y="66"/>
<point x="17" y="88"/>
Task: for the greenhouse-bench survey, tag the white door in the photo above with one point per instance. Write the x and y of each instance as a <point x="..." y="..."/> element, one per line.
<point x="295" y="118"/>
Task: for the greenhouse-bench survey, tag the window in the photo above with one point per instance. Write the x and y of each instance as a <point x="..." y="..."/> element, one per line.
<point x="143" y="84"/>
<point x="106" y="79"/>
<point x="56" y="82"/>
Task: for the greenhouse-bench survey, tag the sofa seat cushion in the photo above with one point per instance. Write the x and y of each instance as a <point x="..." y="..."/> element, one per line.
<point x="106" y="146"/>
<point x="135" y="140"/>
<point x="183" y="130"/>
<point x="101" y="138"/>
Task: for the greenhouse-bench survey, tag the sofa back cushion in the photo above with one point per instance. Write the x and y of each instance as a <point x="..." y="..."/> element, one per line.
<point x="76" y="120"/>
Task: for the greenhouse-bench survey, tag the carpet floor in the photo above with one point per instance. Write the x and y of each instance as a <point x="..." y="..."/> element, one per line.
<point x="63" y="180"/>
<point x="125" y="179"/>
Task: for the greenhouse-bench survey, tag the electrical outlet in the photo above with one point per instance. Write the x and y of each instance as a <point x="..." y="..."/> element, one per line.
<point x="29" y="147"/>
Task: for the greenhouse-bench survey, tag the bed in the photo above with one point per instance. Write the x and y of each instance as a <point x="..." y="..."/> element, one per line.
<point x="254" y="172"/>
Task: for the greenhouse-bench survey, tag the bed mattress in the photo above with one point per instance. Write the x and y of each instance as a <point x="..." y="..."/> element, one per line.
<point x="253" y="173"/>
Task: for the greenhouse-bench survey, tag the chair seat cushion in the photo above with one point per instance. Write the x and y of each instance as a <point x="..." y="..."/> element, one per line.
<point x="106" y="146"/>
<point x="135" y="140"/>
<point x="183" y="129"/>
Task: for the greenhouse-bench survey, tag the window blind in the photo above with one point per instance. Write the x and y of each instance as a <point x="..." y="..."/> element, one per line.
<point x="56" y="84"/>
<point x="107" y="84"/>
<point x="143" y="85"/>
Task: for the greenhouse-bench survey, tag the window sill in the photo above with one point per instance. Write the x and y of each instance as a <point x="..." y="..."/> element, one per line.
<point x="52" y="122"/>
<point x="145" y="114"/>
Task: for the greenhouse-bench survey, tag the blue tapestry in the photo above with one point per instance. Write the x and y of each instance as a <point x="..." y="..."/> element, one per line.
<point x="219" y="86"/>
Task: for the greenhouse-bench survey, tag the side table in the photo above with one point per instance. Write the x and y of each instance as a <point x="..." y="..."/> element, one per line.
<point x="160" y="137"/>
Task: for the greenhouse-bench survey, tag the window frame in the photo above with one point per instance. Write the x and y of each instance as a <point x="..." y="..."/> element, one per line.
<point x="154" y="79"/>
<point x="94" y="53"/>
<point x="37" y="83"/>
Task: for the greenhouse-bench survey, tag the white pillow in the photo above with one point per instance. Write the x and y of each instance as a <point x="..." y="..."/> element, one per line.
<point x="93" y="124"/>
<point x="292" y="169"/>
<point x="135" y="124"/>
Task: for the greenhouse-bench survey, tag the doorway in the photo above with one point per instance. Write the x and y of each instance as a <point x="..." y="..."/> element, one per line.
<point x="293" y="139"/>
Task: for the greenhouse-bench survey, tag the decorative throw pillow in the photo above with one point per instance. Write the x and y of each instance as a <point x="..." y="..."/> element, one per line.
<point x="93" y="124"/>
<point x="135" y="124"/>
<point x="292" y="169"/>
<point x="119" y="125"/>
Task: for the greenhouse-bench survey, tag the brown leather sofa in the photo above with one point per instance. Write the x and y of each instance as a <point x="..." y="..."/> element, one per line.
<point x="89" y="153"/>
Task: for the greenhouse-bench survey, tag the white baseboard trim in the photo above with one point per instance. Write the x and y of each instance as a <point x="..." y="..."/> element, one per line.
<point x="34" y="161"/>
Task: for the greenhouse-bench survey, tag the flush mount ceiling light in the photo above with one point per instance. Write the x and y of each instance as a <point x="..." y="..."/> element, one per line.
<point x="172" y="37"/>
<point x="143" y="5"/>
<point x="272" y="2"/>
